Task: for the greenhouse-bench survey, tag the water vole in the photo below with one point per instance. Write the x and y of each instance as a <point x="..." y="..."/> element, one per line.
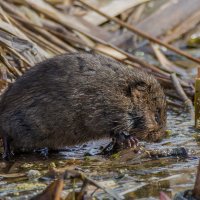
<point x="77" y="97"/>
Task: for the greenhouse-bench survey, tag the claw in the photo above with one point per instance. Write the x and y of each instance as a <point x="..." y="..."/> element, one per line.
<point x="134" y="141"/>
<point x="121" y="141"/>
<point x="124" y="140"/>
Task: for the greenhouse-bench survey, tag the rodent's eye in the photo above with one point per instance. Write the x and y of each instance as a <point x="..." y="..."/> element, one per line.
<point x="141" y="86"/>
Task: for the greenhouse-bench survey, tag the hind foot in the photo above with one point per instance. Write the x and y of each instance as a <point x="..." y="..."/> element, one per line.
<point x="7" y="154"/>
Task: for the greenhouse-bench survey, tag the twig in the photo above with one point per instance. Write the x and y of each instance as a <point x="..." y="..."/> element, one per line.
<point x="53" y="191"/>
<point x="141" y="33"/>
<point x="4" y="15"/>
<point x="38" y="39"/>
<point x="182" y="94"/>
<point x="19" y="56"/>
<point x="48" y="36"/>
<point x="126" y="55"/>
<point x="74" y="174"/>
<point x="12" y="69"/>
<point x="165" y="63"/>
<point x="174" y="104"/>
<point x="196" y="190"/>
<point x="17" y="18"/>
<point x="98" y="40"/>
<point x="197" y="101"/>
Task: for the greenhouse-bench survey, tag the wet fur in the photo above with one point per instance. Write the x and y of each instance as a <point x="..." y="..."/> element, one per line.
<point x="73" y="98"/>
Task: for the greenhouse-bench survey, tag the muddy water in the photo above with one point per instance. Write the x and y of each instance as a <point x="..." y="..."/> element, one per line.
<point x="143" y="179"/>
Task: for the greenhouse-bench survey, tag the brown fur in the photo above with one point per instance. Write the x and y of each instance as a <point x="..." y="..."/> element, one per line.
<point x="73" y="98"/>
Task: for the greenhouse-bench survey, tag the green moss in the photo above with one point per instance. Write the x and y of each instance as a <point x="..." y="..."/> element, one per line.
<point x="115" y="156"/>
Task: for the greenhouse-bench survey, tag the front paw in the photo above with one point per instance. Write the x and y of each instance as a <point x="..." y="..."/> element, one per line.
<point x="124" y="140"/>
<point x="121" y="140"/>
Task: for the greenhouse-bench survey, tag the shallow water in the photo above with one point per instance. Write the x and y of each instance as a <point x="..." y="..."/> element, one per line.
<point x="143" y="179"/>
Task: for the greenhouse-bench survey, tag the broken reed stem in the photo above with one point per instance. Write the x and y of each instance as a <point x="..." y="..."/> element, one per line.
<point x="182" y="94"/>
<point x="53" y="191"/>
<point x="141" y="33"/>
<point x="92" y="182"/>
<point x="197" y="101"/>
<point x="97" y="40"/>
<point x="127" y="57"/>
<point x="72" y="174"/>
<point x="174" y="104"/>
<point x="196" y="190"/>
<point x="12" y="69"/>
<point x="19" y="56"/>
<point x="47" y="35"/>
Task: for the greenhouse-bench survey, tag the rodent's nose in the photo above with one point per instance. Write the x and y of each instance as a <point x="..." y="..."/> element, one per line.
<point x="156" y="135"/>
<point x="152" y="120"/>
<point x="151" y="124"/>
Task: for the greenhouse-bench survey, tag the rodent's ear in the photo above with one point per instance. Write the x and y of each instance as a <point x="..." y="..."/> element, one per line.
<point x="142" y="86"/>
